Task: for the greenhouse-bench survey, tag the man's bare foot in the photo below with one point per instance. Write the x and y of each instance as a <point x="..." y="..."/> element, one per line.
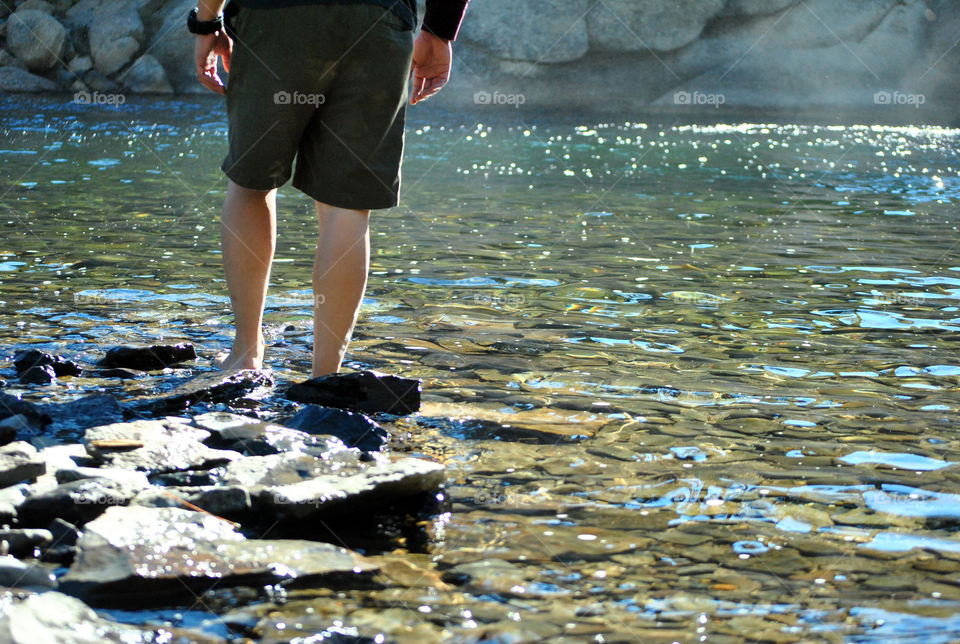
<point x="230" y="360"/>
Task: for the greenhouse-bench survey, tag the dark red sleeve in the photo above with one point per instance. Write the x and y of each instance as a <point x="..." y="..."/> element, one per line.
<point x="442" y="17"/>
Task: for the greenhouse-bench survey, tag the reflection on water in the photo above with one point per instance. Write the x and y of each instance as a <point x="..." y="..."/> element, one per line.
<point x="697" y="380"/>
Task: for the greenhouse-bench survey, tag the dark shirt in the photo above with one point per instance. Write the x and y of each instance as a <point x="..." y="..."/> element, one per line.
<point x="442" y="17"/>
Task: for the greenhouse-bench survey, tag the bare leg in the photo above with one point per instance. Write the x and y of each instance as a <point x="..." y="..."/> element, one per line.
<point x="248" y="231"/>
<point x="339" y="279"/>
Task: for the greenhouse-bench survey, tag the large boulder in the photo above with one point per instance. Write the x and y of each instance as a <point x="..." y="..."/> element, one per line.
<point x="116" y="34"/>
<point x="639" y="25"/>
<point x="173" y="47"/>
<point x="146" y="76"/>
<point x="36" y="38"/>
<point x="546" y="31"/>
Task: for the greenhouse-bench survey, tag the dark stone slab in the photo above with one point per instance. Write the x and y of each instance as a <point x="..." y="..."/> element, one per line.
<point x="21" y="542"/>
<point x="158" y="356"/>
<point x="366" y="391"/>
<point x="116" y="372"/>
<point x="18" y="574"/>
<point x="25" y="360"/>
<point x="77" y="501"/>
<point x="254" y="437"/>
<point x="353" y="428"/>
<point x="143" y="556"/>
<point x="38" y="375"/>
<point x="213" y="387"/>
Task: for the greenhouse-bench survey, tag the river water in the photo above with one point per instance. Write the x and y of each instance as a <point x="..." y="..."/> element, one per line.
<point x="694" y="380"/>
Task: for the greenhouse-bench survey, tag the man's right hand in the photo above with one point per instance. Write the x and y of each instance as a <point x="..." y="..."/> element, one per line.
<point x="207" y="50"/>
<point x="431" y="65"/>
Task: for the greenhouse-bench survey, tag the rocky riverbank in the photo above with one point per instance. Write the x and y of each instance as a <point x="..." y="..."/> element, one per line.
<point x="888" y="56"/>
<point x="113" y="503"/>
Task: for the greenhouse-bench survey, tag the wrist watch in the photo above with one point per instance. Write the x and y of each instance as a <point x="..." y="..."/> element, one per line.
<point x="203" y="27"/>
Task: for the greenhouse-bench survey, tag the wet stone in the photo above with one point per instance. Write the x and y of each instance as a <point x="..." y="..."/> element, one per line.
<point x="38" y="375"/>
<point x="25" y="360"/>
<point x="122" y="476"/>
<point x="375" y="487"/>
<point x="54" y="617"/>
<point x="22" y="541"/>
<point x="366" y="391"/>
<point x="256" y="438"/>
<point x="143" y="556"/>
<point x="213" y="387"/>
<point x="282" y="469"/>
<point x="117" y="372"/>
<point x="10" y="499"/>
<point x="229" y="501"/>
<point x="77" y="501"/>
<point x="18" y="574"/>
<point x="158" y="356"/>
<point x="164" y="446"/>
<point x="353" y="428"/>
<point x="19" y="462"/>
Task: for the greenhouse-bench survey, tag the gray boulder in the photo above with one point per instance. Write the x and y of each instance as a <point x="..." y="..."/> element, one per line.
<point x="755" y="7"/>
<point x="76" y="501"/>
<point x="36" y="38"/>
<point x="546" y="31"/>
<point x="639" y="25"/>
<point x="146" y="76"/>
<point x="116" y="33"/>
<point x="141" y="556"/>
<point x="80" y="15"/>
<point x="173" y="47"/>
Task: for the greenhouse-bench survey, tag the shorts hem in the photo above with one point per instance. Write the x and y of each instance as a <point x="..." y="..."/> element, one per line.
<point x="349" y="202"/>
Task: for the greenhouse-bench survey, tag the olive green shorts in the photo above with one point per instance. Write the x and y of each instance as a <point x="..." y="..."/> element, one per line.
<point x="325" y="84"/>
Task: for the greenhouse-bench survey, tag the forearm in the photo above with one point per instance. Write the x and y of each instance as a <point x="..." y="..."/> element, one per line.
<point x="209" y="9"/>
<point x="443" y="17"/>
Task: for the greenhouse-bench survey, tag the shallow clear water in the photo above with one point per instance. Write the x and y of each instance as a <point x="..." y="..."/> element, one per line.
<point x="691" y="380"/>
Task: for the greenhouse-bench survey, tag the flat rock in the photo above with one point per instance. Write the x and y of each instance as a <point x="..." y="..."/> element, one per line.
<point x="76" y="501"/>
<point x="366" y="391"/>
<point x="154" y="446"/>
<point x="125" y="477"/>
<point x="52" y="617"/>
<point x="158" y="356"/>
<point x="253" y="437"/>
<point x="19" y="462"/>
<point x="274" y="469"/>
<point x="157" y="556"/>
<point x="22" y="542"/>
<point x="353" y="428"/>
<point x="377" y="486"/>
<point x="18" y="574"/>
<point x="40" y="375"/>
<point x="213" y="387"/>
<point x="23" y="360"/>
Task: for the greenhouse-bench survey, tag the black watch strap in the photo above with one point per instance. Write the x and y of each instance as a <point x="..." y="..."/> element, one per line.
<point x="203" y="27"/>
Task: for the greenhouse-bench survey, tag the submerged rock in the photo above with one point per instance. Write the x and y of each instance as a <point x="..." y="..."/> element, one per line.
<point x="214" y="387"/>
<point x="153" y="445"/>
<point x="24" y="360"/>
<point x="366" y="391"/>
<point x="75" y="415"/>
<point x="38" y="375"/>
<point x="353" y="428"/>
<point x="54" y="617"/>
<point x="19" y="462"/>
<point x="150" y="556"/>
<point x="158" y="356"/>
